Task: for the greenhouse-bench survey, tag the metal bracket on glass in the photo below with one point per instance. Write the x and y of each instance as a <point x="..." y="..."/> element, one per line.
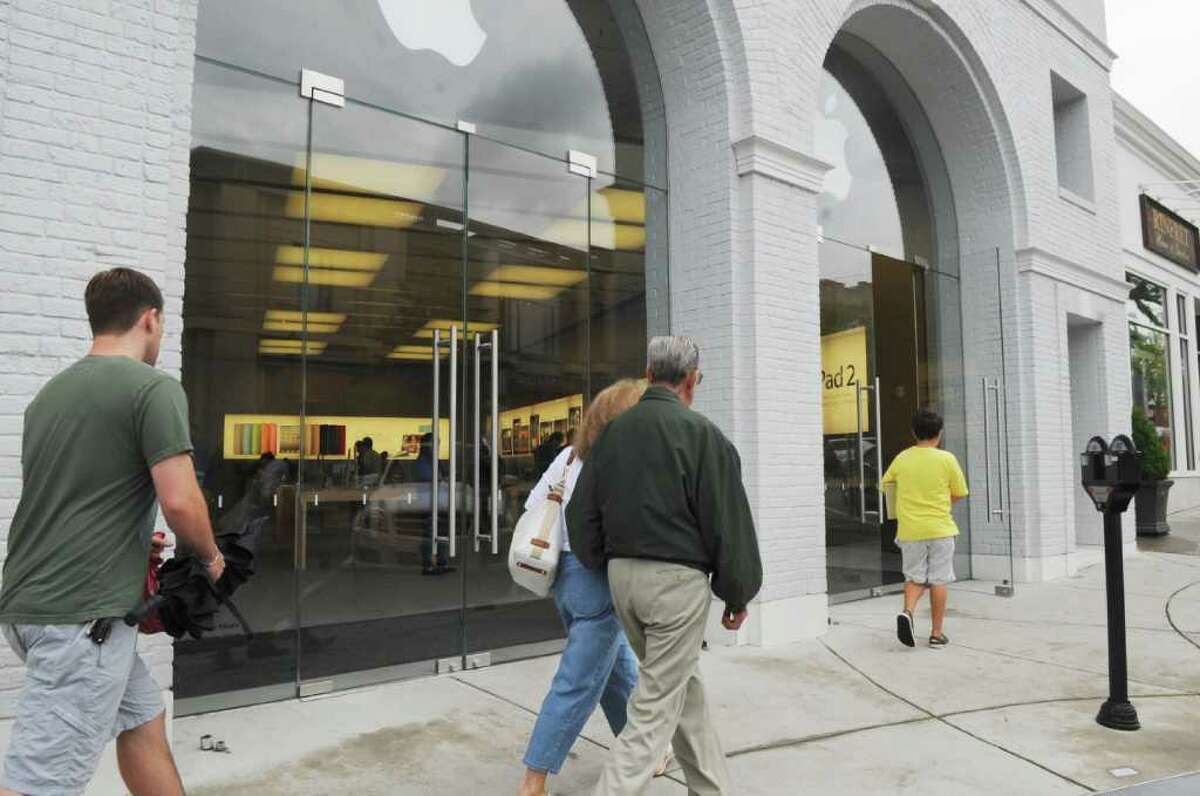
<point x="581" y="163"/>
<point x="324" y="88"/>
<point x="435" y="494"/>
<point x="466" y="127"/>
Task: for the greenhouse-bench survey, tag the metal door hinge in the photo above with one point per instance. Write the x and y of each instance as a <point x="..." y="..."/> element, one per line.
<point x="581" y="163"/>
<point x="324" y="88"/>
<point x="448" y="665"/>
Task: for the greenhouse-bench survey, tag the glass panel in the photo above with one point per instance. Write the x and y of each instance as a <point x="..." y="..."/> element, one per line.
<point x="985" y="458"/>
<point x="384" y="275"/>
<point x="1185" y="363"/>
<point x="946" y="386"/>
<point x="243" y="386"/>
<point x="619" y="306"/>
<point x="876" y="183"/>
<point x="573" y="85"/>
<point x="1147" y="302"/>
<point x="1150" y="369"/>
<point x="528" y="278"/>
<point x="853" y="530"/>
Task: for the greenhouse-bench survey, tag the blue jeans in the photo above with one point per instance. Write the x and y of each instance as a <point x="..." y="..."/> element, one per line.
<point x="596" y="667"/>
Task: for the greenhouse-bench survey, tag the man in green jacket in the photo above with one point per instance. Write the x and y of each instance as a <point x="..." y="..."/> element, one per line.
<point x="660" y="502"/>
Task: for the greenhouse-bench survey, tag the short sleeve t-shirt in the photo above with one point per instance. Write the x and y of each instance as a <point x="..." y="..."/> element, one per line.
<point x="926" y="479"/>
<point x="80" y="539"/>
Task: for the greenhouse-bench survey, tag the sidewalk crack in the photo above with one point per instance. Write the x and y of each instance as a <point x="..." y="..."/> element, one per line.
<point x="952" y="725"/>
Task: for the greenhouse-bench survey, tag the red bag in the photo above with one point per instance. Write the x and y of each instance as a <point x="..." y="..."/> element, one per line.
<point x="152" y="623"/>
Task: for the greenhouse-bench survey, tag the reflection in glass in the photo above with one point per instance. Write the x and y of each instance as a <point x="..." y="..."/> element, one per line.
<point x="618" y="271"/>
<point x="573" y="85"/>
<point x="1147" y="302"/>
<point x="241" y="370"/>
<point x="384" y="273"/>
<point x="1150" y="370"/>
<point x="528" y="276"/>
<point x="875" y="194"/>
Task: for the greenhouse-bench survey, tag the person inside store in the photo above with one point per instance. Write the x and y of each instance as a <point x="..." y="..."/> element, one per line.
<point x="547" y="451"/>
<point x="369" y="461"/>
<point x="431" y="564"/>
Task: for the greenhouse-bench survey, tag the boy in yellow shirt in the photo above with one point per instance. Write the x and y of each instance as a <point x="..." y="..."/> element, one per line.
<point x="928" y="482"/>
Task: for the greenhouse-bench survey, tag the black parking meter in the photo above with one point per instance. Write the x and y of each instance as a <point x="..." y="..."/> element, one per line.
<point x="1111" y="474"/>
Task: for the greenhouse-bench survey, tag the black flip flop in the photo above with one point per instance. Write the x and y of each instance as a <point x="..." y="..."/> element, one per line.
<point x="904" y="629"/>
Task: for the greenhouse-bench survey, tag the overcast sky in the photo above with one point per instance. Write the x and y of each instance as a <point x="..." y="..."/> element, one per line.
<point x="1158" y="64"/>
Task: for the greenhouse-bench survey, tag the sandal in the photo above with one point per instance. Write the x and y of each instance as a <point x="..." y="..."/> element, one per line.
<point x="904" y="629"/>
<point x="937" y="642"/>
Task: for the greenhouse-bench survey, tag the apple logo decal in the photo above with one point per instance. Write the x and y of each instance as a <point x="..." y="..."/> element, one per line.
<point x="447" y="27"/>
<point x="829" y="141"/>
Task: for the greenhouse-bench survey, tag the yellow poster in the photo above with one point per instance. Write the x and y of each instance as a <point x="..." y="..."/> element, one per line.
<point x="843" y="371"/>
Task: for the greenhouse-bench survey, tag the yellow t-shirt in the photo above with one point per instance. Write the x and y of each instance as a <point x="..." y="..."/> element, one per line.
<point x="925" y="479"/>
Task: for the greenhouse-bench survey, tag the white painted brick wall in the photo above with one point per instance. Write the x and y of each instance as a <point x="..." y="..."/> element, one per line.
<point x="95" y="119"/>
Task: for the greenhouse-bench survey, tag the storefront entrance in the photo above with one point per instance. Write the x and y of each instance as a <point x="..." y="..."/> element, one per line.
<point x="876" y="371"/>
<point x="898" y="330"/>
<point x="391" y="326"/>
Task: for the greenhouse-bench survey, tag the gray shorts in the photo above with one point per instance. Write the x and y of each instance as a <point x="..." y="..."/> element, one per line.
<point x="77" y="696"/>
<point x="930" y="561"/>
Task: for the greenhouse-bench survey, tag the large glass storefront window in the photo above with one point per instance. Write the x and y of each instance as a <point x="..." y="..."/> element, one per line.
<point x="391" y="324"/>
<point x="1150" y="355"/>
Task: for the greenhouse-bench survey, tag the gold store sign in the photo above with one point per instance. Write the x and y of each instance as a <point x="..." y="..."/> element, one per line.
<point x="1169" y="235"/>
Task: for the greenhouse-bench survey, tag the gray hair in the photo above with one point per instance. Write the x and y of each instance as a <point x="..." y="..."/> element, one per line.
<point x="670" y="359"/>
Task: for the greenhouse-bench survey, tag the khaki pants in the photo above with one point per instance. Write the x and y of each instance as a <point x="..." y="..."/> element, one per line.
<point x="664" y="608"/>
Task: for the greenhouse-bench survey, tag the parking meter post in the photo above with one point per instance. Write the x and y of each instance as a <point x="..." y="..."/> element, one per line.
<point x="1111" y="473"/>
<point x="1117" y="712"/>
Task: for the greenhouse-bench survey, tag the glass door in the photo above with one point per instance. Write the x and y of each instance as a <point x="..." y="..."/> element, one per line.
<point x="242" y="373"/>
<point x="394" y="327"/>
<point x="383" y="491"/>
<point x="527" y="342"/>
<point x="890" y="341"/>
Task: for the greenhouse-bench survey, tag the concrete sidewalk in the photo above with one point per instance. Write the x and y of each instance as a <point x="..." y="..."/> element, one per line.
<point x="1008" y="708"/>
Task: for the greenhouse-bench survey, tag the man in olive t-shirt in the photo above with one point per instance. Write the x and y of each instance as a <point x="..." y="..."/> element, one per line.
<point x="102" y="441"/>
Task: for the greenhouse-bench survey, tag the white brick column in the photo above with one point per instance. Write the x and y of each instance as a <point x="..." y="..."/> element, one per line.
<point x="776" y="345"/>
<point x="95" y="121"/>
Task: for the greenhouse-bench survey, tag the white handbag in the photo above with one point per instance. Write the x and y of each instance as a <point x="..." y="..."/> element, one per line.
<point x="537" y="541"/>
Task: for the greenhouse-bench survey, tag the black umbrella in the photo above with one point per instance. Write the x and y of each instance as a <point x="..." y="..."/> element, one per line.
<point x="187" y="601"/>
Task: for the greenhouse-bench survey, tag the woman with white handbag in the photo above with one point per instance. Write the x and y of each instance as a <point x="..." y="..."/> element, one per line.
<point x="597" y="666"/>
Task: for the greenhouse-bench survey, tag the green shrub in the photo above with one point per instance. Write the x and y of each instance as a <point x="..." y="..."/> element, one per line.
<point x="1156" y="462"/>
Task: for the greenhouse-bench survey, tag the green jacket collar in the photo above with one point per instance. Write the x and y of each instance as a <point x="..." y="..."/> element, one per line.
<point x="657" y="393"/>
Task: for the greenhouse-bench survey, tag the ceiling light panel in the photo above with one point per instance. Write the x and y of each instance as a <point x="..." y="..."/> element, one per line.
<point x="359" y="210"/>
<point x="293" y="321"/>
<point x="537" y="275"/>
<point x="343" y="259"/>
<point x="515" y="290"/>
